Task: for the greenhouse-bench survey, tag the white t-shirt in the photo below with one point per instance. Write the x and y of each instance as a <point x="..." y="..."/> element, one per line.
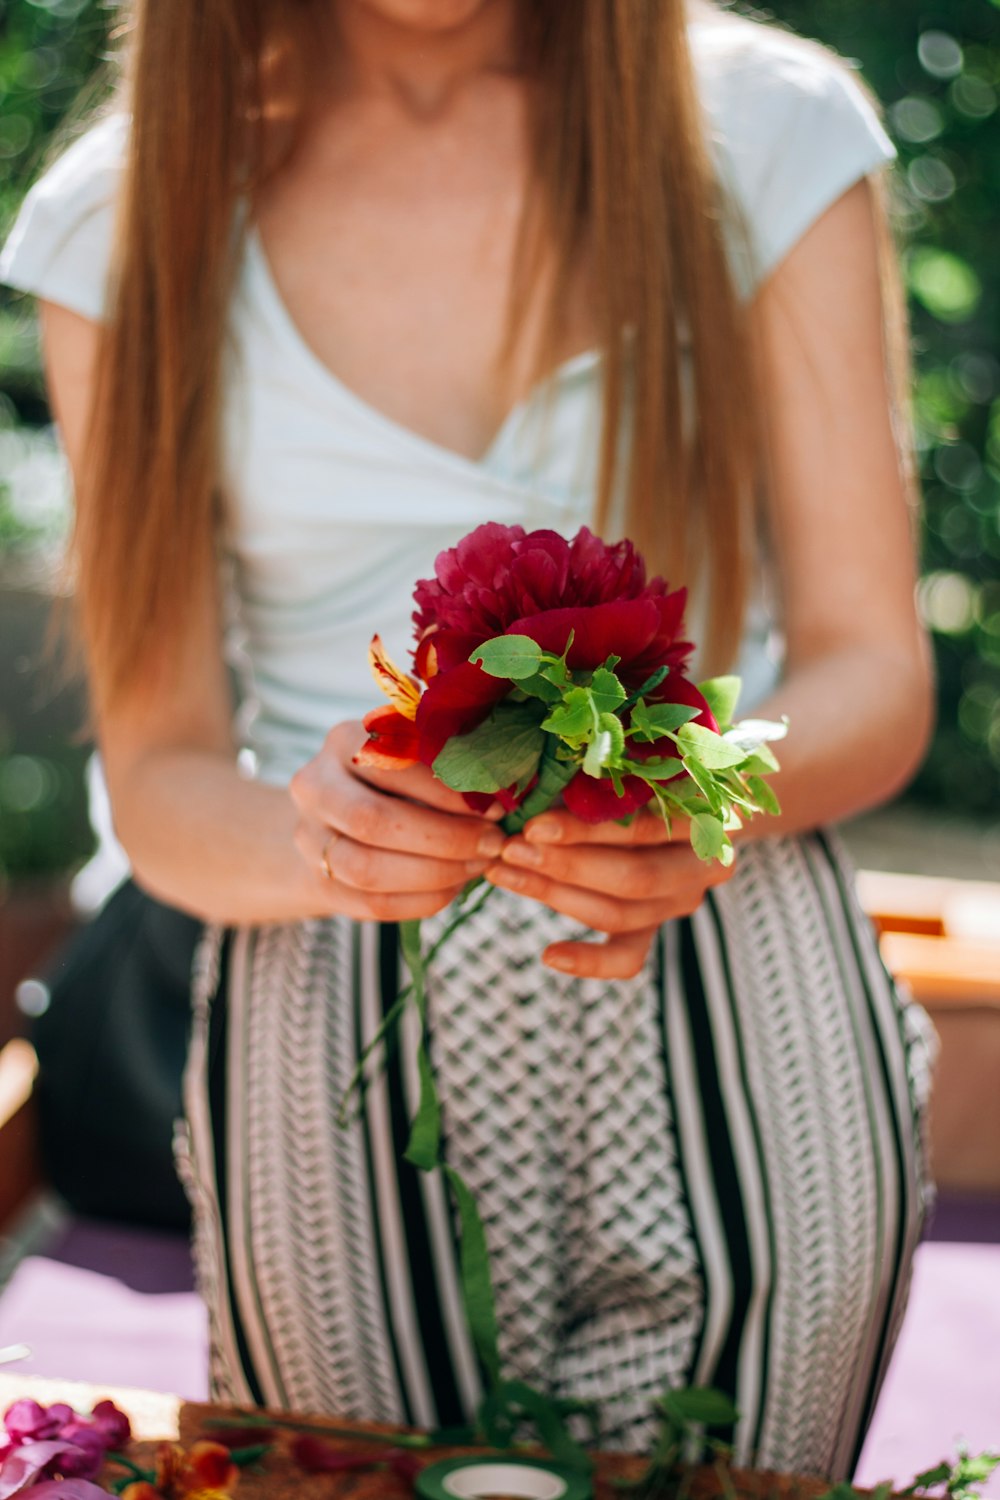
<point x="333" y="510"/>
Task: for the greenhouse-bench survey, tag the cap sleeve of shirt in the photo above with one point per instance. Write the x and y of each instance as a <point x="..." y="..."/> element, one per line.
<point x="60" y="245"/>
<point x="792" y="130"/>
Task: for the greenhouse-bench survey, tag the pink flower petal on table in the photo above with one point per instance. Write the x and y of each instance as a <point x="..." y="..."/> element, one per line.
<point x="112" y="1424"/>
<point x="26" y="1420"/>
<point x="83" y="1450"/>
<point x="67" y="1489"/>
<point x="23" y="1465"/>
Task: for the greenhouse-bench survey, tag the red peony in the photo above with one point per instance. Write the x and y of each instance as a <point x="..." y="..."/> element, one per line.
<point x="502" y="580"/>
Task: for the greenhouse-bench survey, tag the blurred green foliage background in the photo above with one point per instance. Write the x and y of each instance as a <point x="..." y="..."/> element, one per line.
<point x="936" y="68"/>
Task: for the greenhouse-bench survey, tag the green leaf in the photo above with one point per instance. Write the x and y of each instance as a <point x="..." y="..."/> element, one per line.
<point x="575" y="717"/>
<point x="513" y="656"/>
<point x="977" y="1469"/>
<point x="550" y="1424"/>
<point x="705" y="783"/>
<point x="502" y="751"/>
<point x="708" y="837"/>
<point x="424" y="1144"/>
<point x="598" y="753"/>
<point x="477" y="1284"/>
<point x="763" y="795"/>
<point x="655" y="720"/>
<point x="606" y="690"/>
<point x="540" y="686"/>
<point x="708" y="748"/>
<point x="929" y="1478"/>
<point x="611" y="724"/>
<point x="556" y="671"/>
<point x="553" y="776"/>
<point x="722" y="694"/>
<point x="701" y="1404"/>
<point x="760" y="762"/>
<point x="840" y="1491"/>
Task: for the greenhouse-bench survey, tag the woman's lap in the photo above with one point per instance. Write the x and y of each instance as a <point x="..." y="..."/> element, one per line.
<point x="708" y="1174"/>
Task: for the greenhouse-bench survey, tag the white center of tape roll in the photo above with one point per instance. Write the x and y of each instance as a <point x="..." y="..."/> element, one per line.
<point x="474" y="1481"/>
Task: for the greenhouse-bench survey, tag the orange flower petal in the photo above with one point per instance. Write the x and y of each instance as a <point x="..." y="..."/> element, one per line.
<point x="401" y="690"/>
<point x="140" y="1489"/>
<point x="392" y="742"/>
<point x="169" y="1458"/>
<point x="209" y="1466"/>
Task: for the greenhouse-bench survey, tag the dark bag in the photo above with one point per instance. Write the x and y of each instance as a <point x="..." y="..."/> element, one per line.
<point x="111" y="1049"/>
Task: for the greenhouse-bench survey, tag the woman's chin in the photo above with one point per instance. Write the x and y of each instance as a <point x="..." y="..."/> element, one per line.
<point x="426" y="15"/>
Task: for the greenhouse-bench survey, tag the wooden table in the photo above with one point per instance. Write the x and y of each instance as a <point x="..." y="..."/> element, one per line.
<point x="156" y="1417"/>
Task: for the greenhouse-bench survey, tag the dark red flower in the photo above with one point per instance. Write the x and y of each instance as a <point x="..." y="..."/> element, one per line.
<point x="500" y="578"/>
<point x="453" y="703"/>
<point x="316" y="1456"/>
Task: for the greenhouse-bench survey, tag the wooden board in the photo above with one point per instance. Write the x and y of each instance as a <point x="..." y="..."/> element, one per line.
<point x="156" y="1417"/>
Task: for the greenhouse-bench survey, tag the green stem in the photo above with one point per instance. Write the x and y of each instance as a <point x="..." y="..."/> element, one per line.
<point x="425" y="1129"/>
<point x="652" y="681"/>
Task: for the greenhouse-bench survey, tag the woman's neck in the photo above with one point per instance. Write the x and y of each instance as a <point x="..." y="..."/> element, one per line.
<point x="420" y="55"/>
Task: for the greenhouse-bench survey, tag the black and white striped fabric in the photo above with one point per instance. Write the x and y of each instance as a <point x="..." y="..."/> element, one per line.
<point x="710" y="1174"/>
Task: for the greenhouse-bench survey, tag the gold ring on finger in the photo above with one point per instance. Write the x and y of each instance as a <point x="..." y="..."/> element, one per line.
<point x="325" y="856"/>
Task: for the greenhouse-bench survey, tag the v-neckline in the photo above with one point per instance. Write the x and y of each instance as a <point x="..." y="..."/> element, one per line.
<point x="296" y="340"/>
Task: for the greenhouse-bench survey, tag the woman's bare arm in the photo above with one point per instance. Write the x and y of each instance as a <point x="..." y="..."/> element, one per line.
<point x="858" y="684"/>
<point x="202" y="836"/>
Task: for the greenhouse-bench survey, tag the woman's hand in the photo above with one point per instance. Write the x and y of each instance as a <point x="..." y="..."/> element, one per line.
<point x="623" y="881"/>
<point x="385" y="846"/>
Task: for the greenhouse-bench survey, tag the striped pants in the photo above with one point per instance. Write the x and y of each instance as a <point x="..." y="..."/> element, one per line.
<point x="712" y="1174"/>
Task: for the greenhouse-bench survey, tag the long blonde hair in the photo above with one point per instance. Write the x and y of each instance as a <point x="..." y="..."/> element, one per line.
<point x="620" y="157"/>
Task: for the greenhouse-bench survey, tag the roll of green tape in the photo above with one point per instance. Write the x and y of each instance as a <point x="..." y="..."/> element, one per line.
<point x="510" y="1478"/>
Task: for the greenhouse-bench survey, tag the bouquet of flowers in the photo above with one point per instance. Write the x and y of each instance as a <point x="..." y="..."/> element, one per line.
<point x="547" y="668"/>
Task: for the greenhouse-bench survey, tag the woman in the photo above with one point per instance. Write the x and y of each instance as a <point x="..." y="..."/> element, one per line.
<point x="355" y="237"/>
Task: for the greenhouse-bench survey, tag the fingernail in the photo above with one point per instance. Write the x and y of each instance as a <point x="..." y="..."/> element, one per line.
<point x="543" y="830"/>
<point x="561" y="961"/>
<point x="519" y="853"/>
<point x="501" y="875"/>
<point x="491" y="843"/>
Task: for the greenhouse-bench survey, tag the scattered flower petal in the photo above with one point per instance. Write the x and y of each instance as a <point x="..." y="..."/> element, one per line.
<point x="112" y="1424"/>
<point x="75" y="1489"/>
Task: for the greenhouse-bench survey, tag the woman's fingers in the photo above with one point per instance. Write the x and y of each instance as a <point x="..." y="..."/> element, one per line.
<point x="326" y="792"/>
<point x="365" y="868"/>
<point x="419" y="784"/>
<point x="594" y="909"/>
<point x="646" y="828"/>
<point x="610" y="890"/>
<point x="629" y="874"/>
<point x="383" y="906"/>
<point x="619" y="957"/>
